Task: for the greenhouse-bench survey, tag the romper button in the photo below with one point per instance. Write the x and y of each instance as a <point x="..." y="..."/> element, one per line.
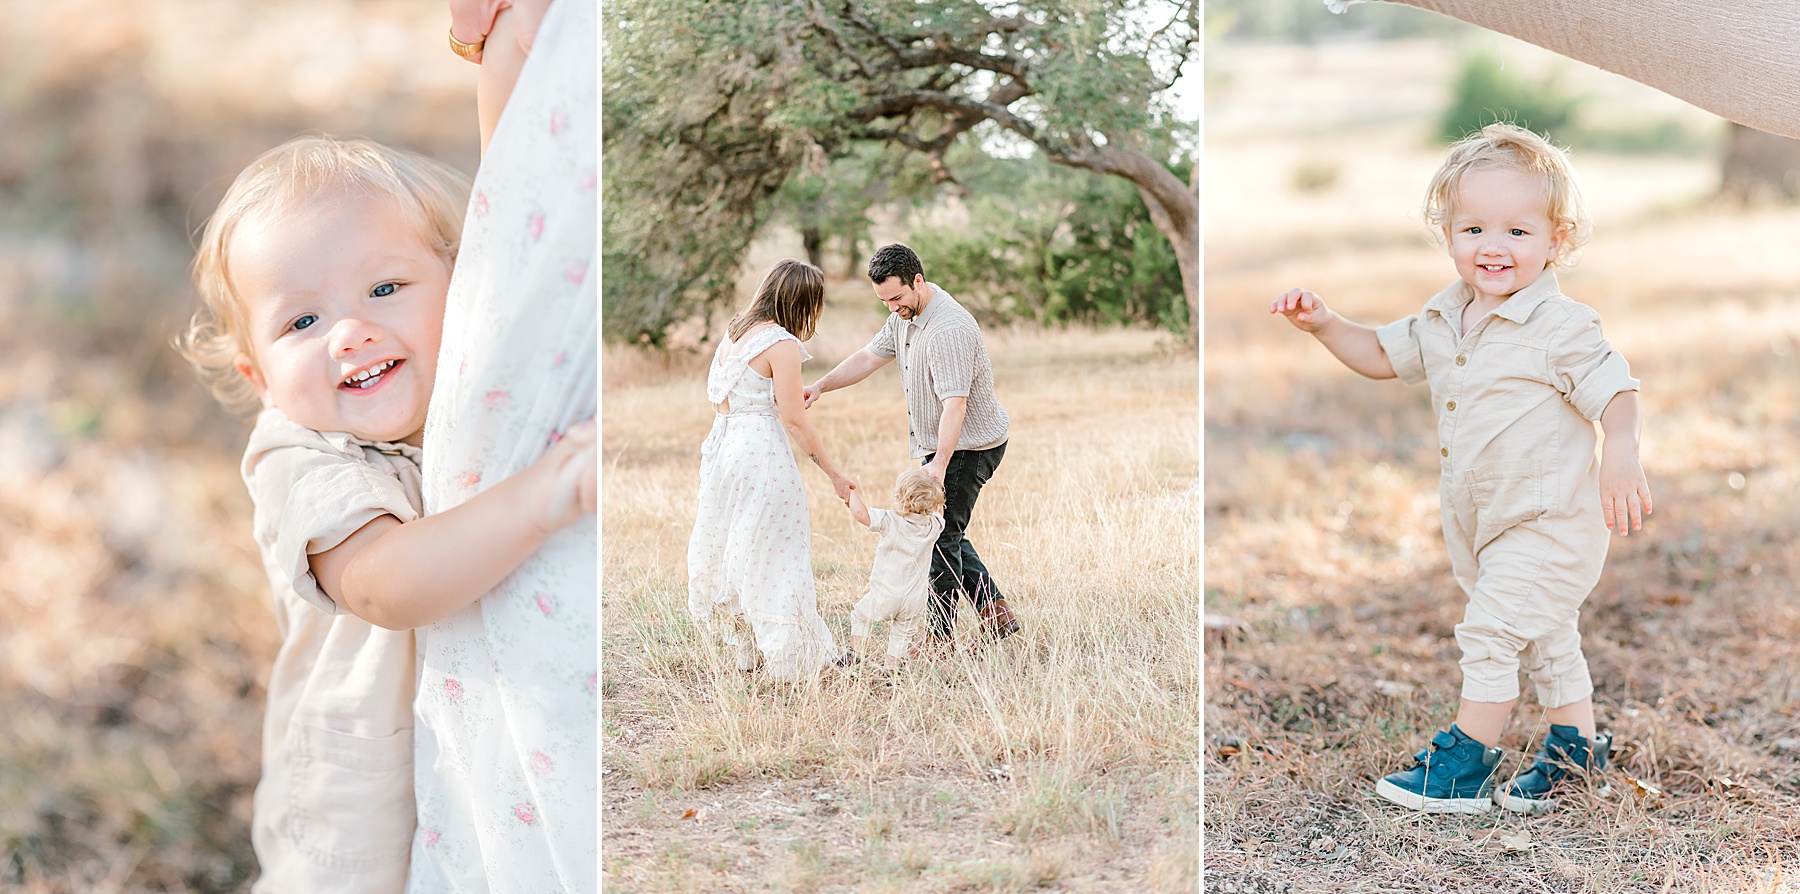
<point x="1460" y="360"/>
<point x="1450" y="406"/>
<point x="1444" y="450"/>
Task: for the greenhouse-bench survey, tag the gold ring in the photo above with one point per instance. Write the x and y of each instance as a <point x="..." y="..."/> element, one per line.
<point x="465" y="50"/>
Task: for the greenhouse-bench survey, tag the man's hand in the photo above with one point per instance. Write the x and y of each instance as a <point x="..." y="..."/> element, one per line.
<point x="937" y="466"/>
<point x="808" y="394"/>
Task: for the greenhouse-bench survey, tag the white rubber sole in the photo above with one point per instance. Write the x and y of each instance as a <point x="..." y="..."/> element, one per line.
<point x="1517" y="804"/>
<point x="1414" y="801"/>
<point x="1536" y="806"/>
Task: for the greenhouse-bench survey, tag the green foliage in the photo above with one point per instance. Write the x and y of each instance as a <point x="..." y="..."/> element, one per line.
<point x="1309" y="20"/>
<point x="1487" y="92"/>
<point x="719" y="115"/>
<point x="1053" y="245"/>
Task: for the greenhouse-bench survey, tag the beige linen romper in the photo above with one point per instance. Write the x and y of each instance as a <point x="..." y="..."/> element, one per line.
<point x="1516" y="400"/>
<point x="334" y="812"/>
<point x="900" y="576"/>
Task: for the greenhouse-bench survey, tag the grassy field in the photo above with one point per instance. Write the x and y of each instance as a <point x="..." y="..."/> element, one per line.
<point x="1062" y="759"/>
<point x="1322" y="532"/>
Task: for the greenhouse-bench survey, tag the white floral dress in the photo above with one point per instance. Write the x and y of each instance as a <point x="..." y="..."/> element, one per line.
<point x="506" y="765"/>
<point x="750" y="556"/>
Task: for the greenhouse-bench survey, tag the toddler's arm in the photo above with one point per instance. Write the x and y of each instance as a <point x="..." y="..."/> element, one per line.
<point x="857" y="510"/>
<point x="1624" y="491"/>
<point x="1352" y="343"/>
<point x="401" y="576"/>
<point x="501" y="60"/>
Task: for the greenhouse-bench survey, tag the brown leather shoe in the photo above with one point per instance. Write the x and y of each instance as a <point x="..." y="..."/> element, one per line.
<point x="998" y="619"/>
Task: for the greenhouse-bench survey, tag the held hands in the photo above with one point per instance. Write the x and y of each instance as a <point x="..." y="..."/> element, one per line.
<point x="472" y="20"/>
<point x="937" y="466"/>
<point x="1302" y="308"/>
<point x="808" y="394"/>
<point x="565" y="479"/>
<point x="843" y="486"/>
<point x="1624" y="491"/>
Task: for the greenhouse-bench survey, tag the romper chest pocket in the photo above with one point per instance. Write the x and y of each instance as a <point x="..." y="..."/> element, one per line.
<point x="1505" y="493"/>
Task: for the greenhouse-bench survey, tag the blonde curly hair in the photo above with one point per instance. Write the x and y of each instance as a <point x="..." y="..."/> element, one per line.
<point x="1515" y="148"/>
<point x="426" y="191"/>
<point x="917" y="493"/>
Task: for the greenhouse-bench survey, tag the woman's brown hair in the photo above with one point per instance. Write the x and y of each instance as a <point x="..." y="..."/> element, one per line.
<point x="792" y="294"/>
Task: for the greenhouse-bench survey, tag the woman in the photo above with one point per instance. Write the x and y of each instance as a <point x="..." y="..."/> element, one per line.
<point x="506" y="758"/>
<point x="750" y="557"/>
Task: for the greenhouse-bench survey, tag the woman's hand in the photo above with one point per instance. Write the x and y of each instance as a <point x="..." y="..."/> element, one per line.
<point x="843" y="485"/>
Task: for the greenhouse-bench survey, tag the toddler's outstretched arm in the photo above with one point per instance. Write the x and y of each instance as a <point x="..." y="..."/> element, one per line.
<point x="857" y="510"/>
<point x="1624" y="491"/>
<point x="1352" y="343"/>
<point x="402" y="576"/>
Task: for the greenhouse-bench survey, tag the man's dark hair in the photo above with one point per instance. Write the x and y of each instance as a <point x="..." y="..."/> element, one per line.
<point x="894" y="260"/>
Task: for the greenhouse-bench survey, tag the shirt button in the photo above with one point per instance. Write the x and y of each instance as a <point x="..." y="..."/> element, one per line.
<point x="1444" y="451"/>
<point x="1450" y="406"/>
<point x="1460" y="360"/>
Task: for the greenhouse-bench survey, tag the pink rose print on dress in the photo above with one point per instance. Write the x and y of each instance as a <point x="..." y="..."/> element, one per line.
<point x="497" y="399"/>
<point x="453" y="688"/>
<point x="593" y="681"/>
<point x="558" y="122"/>
<point x="469" y="479"/>
<point x="430" y="836"/>
<point x="546" y="603"/>
<point x="524" y="813"/>
<point x="560" y="358"/>
<point x="481" y="204"/>
<point x="576" y="272"/>
<point x="587" y="179"/>
<point x="535" y="226"/>
<point x="540" y="762"/>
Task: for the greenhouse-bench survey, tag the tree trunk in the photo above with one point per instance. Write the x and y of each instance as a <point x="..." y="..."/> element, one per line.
<point x="814" y="240"/>
<point x="1174" y="208"/>
<point x="1760" y="166"/>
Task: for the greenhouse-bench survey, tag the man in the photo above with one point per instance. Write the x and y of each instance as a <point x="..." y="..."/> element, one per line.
<point x="955" y="424"/>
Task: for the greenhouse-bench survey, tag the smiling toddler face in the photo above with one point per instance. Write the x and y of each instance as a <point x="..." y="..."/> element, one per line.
<point x="1499" y="232"/>
<point x="343" y="302"/>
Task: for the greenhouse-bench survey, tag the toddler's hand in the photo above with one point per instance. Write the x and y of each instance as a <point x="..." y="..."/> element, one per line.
<point x="1624" y="490"/>
<point x="567" y="478"/>
<point x="1303" y="309"/>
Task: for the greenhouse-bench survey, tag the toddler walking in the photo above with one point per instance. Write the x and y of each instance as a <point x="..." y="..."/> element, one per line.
<point x="900" y="579"/>
<point x="1518" y="375"/>
<point x="323" y="274"/>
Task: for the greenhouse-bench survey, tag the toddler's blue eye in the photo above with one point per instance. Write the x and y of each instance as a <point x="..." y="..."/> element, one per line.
<point x="384" y="290"/>
<point x="305" y="321"/>
<point x="1474" y="231"/>
<point x="1518" y="232"/>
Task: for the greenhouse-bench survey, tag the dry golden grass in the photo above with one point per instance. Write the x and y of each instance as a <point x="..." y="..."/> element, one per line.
<point x="1322" y="538"/>
<point x="1060" y="759"/>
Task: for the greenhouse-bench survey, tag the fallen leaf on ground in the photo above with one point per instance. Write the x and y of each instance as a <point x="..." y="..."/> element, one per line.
<point x="1643" y="789"/>
<point x="1516" y="841"/>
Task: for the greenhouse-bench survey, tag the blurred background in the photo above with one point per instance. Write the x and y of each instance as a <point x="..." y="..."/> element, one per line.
<point x="135" y="636"/>
<point x="1328" y="591"/>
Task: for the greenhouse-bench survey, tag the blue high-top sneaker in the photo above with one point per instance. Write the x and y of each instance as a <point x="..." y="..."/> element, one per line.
<point x="1455" y="775"/>
<point x="1566" y="753"/>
